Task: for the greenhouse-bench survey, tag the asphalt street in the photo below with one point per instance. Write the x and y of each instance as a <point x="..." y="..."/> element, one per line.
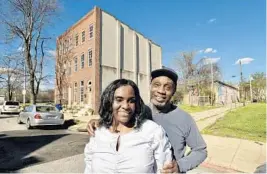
<point x="20" y="148"/>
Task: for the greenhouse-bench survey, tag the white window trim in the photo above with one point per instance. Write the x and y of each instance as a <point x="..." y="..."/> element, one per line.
<point x="89" y="58"/>
<point x="92" y="31"/>
<point x="75" y="91"/>
<point x="75" y="64"/>
<point x="83" y="61"/>
<point x="78" y="40"/>
<point x="81" y="87"/>
<point x="84" y="36"/>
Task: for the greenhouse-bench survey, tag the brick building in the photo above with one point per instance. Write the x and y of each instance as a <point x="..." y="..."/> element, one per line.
<point x="104" y="49"/>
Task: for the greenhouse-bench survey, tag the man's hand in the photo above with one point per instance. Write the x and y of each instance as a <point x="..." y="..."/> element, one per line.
<point x="91" y="126"/>
<point x="170" y="168"/>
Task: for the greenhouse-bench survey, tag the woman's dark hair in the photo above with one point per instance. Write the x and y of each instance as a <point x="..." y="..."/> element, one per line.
<point x="107" y="98"/>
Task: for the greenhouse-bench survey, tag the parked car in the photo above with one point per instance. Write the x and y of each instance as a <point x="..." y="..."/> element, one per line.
<point x="40" y="115"/>
<point x="10" y="107"/>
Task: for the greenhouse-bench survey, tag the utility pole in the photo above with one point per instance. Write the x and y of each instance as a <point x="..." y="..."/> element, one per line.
<point x="241" y="83"/>
<point x="211" y="61"/>
<point x="241" y="74"/>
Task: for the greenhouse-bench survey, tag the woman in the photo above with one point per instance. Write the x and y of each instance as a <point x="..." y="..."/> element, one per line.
<point x="125" y="140"/>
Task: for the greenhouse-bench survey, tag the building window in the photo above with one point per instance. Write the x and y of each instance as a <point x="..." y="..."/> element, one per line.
<point x="90" y="56"/>
<point x="83" y="36"/>
<point x="91" y="31"/>
<point x="82" y="91"/>
<point x="77" y="39"/>
<point x="82" y="61"/>
<point x="75" y="64"/>
<point x="75" y="92"/>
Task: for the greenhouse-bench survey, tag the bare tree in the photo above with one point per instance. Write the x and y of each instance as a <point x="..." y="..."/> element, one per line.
<point x="11" y="72"/>
<point x="195" y="76"/>
<point x="259" y="86"/>
<point x="185" y="68"/>
<point x="184" y="65"/>
<point x="25" y="20"/>
<point x="203" y="75"/>
<point x="64" y="58"/>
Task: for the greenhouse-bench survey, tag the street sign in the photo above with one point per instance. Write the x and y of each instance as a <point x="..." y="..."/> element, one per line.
<point x="24" y="92"/>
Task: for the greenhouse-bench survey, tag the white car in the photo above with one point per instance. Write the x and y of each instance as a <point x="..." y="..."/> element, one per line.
<point x="10" y="107"/>
<point x="40" y="115"/>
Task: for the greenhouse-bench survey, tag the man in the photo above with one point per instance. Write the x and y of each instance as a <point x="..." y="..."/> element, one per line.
<point x="179" y="125"/>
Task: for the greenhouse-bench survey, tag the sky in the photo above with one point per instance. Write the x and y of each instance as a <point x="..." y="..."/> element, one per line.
<point x="225" y="29"/>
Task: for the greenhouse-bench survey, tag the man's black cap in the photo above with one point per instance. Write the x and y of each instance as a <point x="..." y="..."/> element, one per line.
<point x="165" y="72"/>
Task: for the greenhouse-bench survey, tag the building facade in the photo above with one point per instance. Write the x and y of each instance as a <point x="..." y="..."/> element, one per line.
<point x="102" y="49"/>
<point x="225" y="93"/>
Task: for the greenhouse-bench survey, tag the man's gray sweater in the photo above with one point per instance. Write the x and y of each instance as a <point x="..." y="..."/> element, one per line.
<point x="182" y="130"/>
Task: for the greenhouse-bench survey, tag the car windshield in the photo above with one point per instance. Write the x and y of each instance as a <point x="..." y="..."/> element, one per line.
<point x="12" y="103"/>
<point x="46" y="109"/>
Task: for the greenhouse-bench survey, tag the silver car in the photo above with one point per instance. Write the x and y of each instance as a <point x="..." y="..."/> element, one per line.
<point x="10" y="107"/>
<point x="39" y="115"/>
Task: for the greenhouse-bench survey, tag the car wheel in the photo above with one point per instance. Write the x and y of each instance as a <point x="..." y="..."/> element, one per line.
<point x="28" y="124"/>
<point x="18" y="120"/>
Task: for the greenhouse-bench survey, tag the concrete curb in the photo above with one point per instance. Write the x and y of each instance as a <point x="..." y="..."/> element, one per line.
<point x="220" y="168"/>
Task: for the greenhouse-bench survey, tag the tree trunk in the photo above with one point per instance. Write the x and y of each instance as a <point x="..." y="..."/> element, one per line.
<point x="9" y="95"/>
<point x="33" y="98"/>
<point x="60" y="97"/>
<point x="33" y="95"/>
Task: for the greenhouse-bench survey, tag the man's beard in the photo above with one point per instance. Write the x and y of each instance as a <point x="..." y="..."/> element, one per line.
<point x="161" y="106"/>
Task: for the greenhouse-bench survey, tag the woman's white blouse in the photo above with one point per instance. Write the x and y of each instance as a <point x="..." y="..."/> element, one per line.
<point x="145" y="150"/>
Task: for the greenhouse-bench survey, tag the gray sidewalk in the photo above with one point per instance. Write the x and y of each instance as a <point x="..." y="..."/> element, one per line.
<point x="237" y="154"/>
<point x="230" y="153"/>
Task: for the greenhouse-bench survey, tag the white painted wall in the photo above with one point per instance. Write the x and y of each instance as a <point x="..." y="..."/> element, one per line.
<point x="108" y="75"/>
<point x="108" y="50"/>
<point x="109" y="40"/>
<point x="127" y="47"/>
<point x="156" y="55"/>
<point x="125" y="54"/>
<point x="142" y="64"/>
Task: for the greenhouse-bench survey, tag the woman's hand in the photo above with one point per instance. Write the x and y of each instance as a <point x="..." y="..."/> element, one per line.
<point x="91" y="126"/>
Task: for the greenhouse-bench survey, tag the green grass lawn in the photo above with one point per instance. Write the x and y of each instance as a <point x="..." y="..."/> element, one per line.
<point x="247" y="122"/>
<point x="192" y="109"/>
